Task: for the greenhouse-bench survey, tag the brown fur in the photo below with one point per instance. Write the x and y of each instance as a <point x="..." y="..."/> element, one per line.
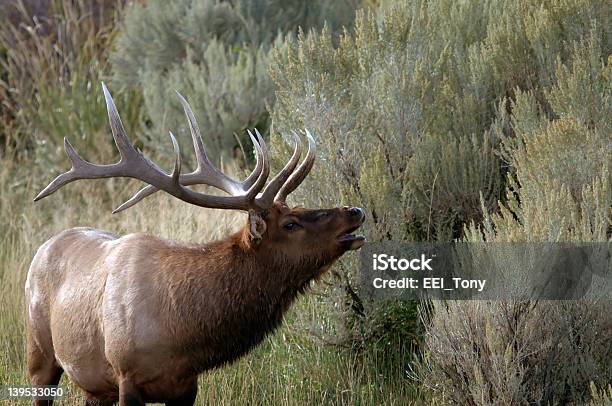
<point x="137" y="318"/>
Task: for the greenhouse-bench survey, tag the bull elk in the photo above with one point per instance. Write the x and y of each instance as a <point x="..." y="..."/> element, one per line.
<point x="136" y="319"/>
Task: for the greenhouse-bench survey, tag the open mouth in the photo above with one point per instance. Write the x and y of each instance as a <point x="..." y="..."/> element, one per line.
<point x="354" y="241"/>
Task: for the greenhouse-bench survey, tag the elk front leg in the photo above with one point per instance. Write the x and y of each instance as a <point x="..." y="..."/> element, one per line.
<point x="129" y="394"/>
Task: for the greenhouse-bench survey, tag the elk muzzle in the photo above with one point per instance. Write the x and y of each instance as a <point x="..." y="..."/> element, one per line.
<point x="354" y="217"/>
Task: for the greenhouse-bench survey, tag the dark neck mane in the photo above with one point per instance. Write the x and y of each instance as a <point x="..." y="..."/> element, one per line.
<point x="236" y="298"/>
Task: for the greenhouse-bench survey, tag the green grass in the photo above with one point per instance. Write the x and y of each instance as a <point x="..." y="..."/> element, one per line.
<point x="293" y="366"/>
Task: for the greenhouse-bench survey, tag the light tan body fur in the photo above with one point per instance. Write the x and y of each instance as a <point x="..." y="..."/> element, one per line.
<point x="114" y="283"/>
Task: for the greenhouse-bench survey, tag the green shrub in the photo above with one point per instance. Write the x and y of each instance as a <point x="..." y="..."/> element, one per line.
<point x="216" y="54"/>
<point x="540" y="352"/>
<point x="414" y="112"/>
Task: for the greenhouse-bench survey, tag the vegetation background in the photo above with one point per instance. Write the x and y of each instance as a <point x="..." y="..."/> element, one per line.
<point x="482" y="120"/>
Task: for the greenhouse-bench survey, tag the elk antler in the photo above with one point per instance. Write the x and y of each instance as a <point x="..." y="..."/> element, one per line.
<point x="243" y="195"/>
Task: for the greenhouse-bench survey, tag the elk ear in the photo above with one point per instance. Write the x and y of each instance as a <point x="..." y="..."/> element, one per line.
<point x="257" y="228"/>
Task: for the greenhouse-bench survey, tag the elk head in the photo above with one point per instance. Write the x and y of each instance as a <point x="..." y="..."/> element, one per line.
<point x="321" y="235"/>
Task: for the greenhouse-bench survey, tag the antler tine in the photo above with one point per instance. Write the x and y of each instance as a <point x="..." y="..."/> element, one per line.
<point x="206" y="170"/>
<point x="176" y="173"/>
<point x="126" y="149"/>
<point x="141" y="194"/>
<point x="301" y="172"/>
<point x="262" y="159"/>
<point x="196" y="136"/>
<point x="134" y="165"/>
<point x="64" y="178"/>
<point x="267" y="195"/>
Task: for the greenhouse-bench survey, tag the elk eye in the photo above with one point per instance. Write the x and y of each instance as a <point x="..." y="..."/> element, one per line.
<point x="291" y="226"/>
